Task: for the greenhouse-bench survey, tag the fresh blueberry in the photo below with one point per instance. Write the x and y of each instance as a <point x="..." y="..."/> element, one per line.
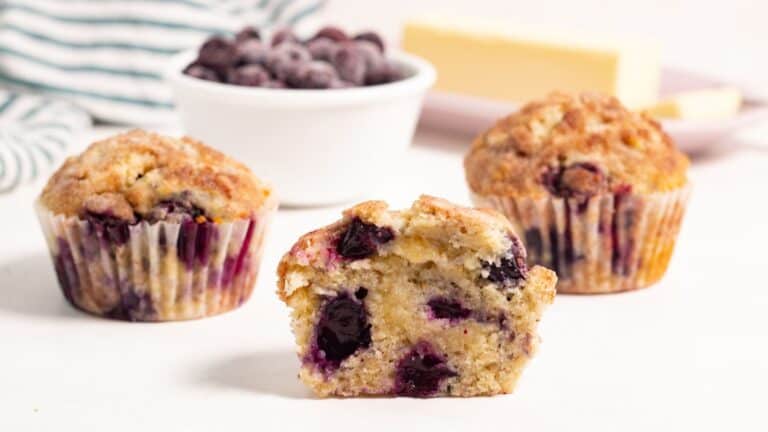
<point x="443" y="308"/>
<point x="342" y="329"/>
<point x="252" y="51"/>
<point x="382" y="73"/>
<point x="313" y="75"/>
<point x="333" y="33"/>
<point x="350" y="63"/>
<point x="251" y="75"/>
<point x="284" y="60"/>
<point x="247" y="33"/>
<point x="201" y="72"/>
<point x="361" y="239"/>
<point x="371" y="37"/>
<point x="421" y="371"/>
<point x="275" y="84"/>
<point x="322" y="49"/>
<point x="284" y="35"/>
<point x="341" y="84"/>
<point x="217" y="53"/>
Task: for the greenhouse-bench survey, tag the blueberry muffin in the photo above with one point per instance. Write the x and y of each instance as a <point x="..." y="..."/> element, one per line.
<point x="597" y="191"/>
<point x="143" y="227"/>
<point x="436" y="300"/>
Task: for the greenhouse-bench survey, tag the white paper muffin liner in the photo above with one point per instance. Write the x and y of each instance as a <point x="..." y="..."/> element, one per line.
<point x="610" y="243"/>
<point x="145" y="277"/>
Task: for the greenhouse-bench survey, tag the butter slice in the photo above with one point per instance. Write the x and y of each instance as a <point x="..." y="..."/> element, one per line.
<point x="706" y="104"/>
<point x="500" y="63"/>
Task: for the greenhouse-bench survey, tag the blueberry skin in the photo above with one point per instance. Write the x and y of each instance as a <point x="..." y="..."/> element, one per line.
<point x="372" y="37"/>
<point x="201" y="72"/>
<point x="342" y="329"/>
<point x="444" y="308"/>
<point x="217" y="53"/>
<point x="421" y="371"/>
<point x="361" y="239"/>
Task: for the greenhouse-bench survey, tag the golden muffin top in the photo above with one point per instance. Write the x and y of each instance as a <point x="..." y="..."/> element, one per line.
<point x="140" y="175"/>
<point x="574" y="146"/>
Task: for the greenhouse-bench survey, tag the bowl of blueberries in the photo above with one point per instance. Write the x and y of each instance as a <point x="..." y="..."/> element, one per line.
<point x="323" y="118"/>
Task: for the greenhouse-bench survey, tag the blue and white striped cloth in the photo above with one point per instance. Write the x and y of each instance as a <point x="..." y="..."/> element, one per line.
<point x="35" y="134"/>
<point x="107" y="56"/>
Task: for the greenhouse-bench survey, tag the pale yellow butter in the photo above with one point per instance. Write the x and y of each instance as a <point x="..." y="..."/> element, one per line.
<point x="508" y="63"/>
<point x="706" y="104"/>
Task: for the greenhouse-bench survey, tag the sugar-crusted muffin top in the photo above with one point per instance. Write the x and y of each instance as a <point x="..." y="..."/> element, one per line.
<point x="572" y="146"/>
<point x="432" y="230"/>
<point x="140" y="175"/>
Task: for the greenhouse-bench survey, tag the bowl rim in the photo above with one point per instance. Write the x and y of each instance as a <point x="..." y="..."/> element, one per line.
<point x="423" y="77"/>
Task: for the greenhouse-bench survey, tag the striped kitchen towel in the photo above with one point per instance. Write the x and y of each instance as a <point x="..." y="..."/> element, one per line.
<point x="107" y="56"/>
<point x="35" y="134"/>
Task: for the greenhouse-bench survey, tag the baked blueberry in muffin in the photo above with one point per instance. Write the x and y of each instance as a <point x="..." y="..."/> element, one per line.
<point x="435" y="300"/>
<point x="597" y="191"/>
<point x="143" y="227"/>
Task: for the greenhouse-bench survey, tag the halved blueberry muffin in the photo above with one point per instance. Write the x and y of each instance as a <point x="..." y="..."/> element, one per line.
<point x="143" y="227"/>
<point x="597" y="191"/>
<point x="435" y="300"/>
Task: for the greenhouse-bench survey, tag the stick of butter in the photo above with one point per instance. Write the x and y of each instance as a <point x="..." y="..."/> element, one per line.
<point x="509" y="63"/>
<point x="706" y="104"/>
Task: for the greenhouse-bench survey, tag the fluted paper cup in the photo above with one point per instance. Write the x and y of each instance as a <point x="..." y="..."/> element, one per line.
<point x="156" y="272"/>
<point x="609" y="243"/>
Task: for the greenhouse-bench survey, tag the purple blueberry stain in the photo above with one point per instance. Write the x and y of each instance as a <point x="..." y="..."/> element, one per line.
<point x="109" y="228"/>
<point x="132" y="306"/>
<point x="622" y="251"/>
<point x="421" y="371"/>
<point x="534" y="242"/>
<point x="66" y="270"/>
<point x="341" y="330"/>
<point x="444" y="308"/>
<point x="361" y="239"/>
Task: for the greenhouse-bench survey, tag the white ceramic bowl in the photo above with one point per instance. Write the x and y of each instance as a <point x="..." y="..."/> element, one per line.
<point x="315" y="146"/>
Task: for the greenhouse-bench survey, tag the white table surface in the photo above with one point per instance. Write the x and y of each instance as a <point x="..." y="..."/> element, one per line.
<point x="690" y="352"/>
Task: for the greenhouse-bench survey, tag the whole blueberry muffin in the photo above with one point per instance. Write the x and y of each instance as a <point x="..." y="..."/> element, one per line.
<point x="598" y="191"/>
<point x="143" y="227"/>
<point x="436" y="300"/>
